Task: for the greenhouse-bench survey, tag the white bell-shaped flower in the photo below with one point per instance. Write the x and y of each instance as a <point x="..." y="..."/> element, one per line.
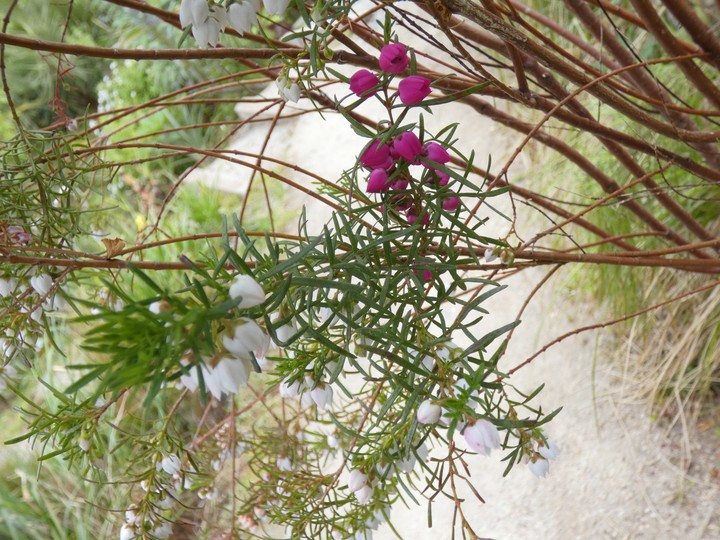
<point x="193" y="11"/>
<point x="242" y="16"/>
<point x="171" y="464"/>
<point x="290" y="389"/>
<point x="482" y="437"/>
<point x="276" y="7"/>
<point x="248" y="339"/>
<point x="540" y="467"/>
<point x="232" y="373"/>
<point x="322" y="396"/>
<point x="357" y="480"/>
<point x="364" y="494"/>
<point x="41" y="283"/>
<point x="287" y="90"/>
<point x="428" y="412"/>
<point x="549" y="450"/>
<point x="7" y="286"/>
<point x="248" y="289"/>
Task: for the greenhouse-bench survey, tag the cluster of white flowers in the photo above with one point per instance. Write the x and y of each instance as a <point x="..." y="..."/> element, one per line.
<point x="208" y="19"/>
<point x="542" y="452"/>
<point x="244" y="343"/>
<point x="481" y="435"/>
<point x="310" y="391"/>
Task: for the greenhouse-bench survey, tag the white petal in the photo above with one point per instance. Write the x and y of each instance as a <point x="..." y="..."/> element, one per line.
<point x="550" y="450"/>
<point x="171" y="464"/>
<point x="242" y="16"/>
<point x="322" y="395"/>
<point x="364" y="494"/>
<point x="41" y="284"/>
<point x="200" y="11"/>
<point x="293" y="93"/>
<point x="127" y="532"/>
<point x="357" y="480"/>
<point x="290" y="389"/>
<point x="212" y="382"/>
<point x="276" y="7"/>
<point x="248" y="337"/>
<point x="540" y="467"/>
<point x="201" y="33"/>
<point x="428" y="412"/>
<point x="232" y="374"/>
<point x="250" y="290"/>
<point x="7" y="286"/>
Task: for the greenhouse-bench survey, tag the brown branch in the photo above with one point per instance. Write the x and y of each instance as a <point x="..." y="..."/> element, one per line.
<point x="610" y="323"/>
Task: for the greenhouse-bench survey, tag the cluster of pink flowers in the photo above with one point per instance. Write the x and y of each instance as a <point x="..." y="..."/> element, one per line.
<point x="389" y="157"/>
<point x="393" y="60"/>
<point x="388" y="160"/>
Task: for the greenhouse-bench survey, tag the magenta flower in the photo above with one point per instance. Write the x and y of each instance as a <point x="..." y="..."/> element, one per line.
<point x="394" y="58"/>
<point x="425" y="274"/>
<point x="437" y="177"/>
<point x="378" y="181"/>
<point x="400" y="185"/>
<point x="412" y="217"/>
<point x="414" y="89"/>
<point x="408" y="146"/>
<point x="451" y="203"/>
<point x="435" y="152"/>
<point x="363" y="83"/>
<point x="376" y="156"/>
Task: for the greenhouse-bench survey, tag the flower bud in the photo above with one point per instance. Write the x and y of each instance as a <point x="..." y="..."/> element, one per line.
<point x="482" y="437"/>
<point x="435" y="152"/>
<point x="540" y="467"/>
<point x="377" y="156"/>
<point x="248" y="289"/>
<point x="408" y="146"/>
<point x="364" y="494"/>
<point x="414" y="89"/>
<point x="363" y="83"/>
<point x="394" y="58"/>
<point x="378" y="181"/>
<point x="428" y="412"/>
<point x="357" y="480"/>
<point x="451" y="203"/>
<point x="322" y="395"/>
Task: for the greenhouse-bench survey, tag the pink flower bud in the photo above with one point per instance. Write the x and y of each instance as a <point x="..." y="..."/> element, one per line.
<point x="378" y="181"/>
<point x="414" y="89"/>
<point x="376" y="156"/>
<point x="408" y="146"/>
<point x="363" y="83"/>
<point x="394" y="58"/>
<point x="435" y="152"/>
<point x="411" y="216"/>
<point x="451" y="203"/>
<point x="426" y="275"/>
<point x="444" y="178"/>
<point x="400" y="185"/>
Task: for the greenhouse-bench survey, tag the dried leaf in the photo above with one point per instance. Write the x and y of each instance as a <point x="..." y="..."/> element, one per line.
<point x="113" y="246"/>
